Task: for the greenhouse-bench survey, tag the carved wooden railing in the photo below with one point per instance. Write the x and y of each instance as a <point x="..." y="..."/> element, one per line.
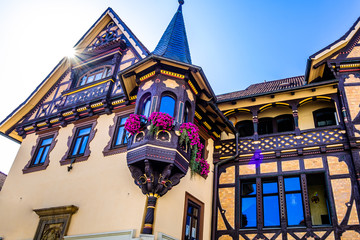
<point x="282" y="141"/>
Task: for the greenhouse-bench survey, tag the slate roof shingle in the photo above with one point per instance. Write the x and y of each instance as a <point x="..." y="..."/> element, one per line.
<point x="262" y="88"/>
<point x="173" y="44"/>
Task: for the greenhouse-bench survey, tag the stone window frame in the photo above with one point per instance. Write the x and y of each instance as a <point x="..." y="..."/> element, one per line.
<point x="52" y="216"/>
<point x="109" y="148"/>
<point x="201" y="205"/>
<point x="41" y="135"/>
<point x="67" y="158"/>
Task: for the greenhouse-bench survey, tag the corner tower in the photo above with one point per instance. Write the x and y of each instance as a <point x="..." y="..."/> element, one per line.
<point x="171" y="94"/>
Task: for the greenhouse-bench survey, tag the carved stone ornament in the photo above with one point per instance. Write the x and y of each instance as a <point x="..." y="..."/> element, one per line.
<point x="54" y="222"/>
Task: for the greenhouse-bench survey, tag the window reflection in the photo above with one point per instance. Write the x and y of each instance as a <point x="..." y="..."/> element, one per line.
<point x="271" y="204"/>
<point x="146" y="107"/>
<point x="248" y="205"/>
<point x="167" y="105"/>
<point x="294" y="205"/>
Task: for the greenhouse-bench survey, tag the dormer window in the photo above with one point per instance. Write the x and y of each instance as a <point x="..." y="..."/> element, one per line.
<point x="95" y="75"/>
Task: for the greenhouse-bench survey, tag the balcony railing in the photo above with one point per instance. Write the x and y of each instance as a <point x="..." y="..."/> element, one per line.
<point x="282" y="141"/>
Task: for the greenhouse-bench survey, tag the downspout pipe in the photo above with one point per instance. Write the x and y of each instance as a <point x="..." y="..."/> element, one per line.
<point x="216" y="173"/>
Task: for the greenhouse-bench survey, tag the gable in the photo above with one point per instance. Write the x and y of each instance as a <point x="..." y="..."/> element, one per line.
<point x="108" y="40"/>
<point x="347" y="48"/>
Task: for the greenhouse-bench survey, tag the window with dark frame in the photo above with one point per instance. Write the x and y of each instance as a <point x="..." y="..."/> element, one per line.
<point x="145" y="108"/>
<point x="42" y="151"/>
<point x="245" y="128"/>
<point x="293" y="193"/>
<point x="282" y="123"/>
<point x="167" y="105"/>
<point x="271" y="203"/>
<point x="120" y="135"/>
<point x="95" y="75"/>
<point x="80" y="141"/>
<point x="325" y="117"/>
<point x="248" y="205"/>
<point x="192" y="221"/>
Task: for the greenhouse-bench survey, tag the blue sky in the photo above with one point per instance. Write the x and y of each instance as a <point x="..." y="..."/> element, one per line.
<point x="236" y="42"/>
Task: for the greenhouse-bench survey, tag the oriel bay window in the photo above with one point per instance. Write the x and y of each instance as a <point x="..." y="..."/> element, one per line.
<point x="287" y="193"/>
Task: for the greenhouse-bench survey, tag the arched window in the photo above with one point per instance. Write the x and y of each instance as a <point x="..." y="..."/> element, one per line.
<point x="95" y="75"/>
<point x="245" y="128"/>
<point x="167" y="105"/>
<point x="265" y="126"/>
<point x="145" y="109"/>
<point x="325" y="117"/>
<point x="186" y="113"/>
<point x="285" y="123"/>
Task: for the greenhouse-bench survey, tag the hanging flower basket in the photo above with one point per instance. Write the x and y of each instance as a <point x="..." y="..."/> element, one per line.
<point x="160" y="121"/>
<point x="189" y="134"/>
<point x="134" y="123"/>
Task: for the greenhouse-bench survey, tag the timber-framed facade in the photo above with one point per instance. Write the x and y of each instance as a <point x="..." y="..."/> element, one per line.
<point x="120" y="142"/>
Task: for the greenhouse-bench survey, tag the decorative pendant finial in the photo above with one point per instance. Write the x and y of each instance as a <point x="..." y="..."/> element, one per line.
<point x="181" y="2"/>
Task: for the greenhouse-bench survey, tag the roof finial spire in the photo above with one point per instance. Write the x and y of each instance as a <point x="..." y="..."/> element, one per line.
<point x="181" y="2"/>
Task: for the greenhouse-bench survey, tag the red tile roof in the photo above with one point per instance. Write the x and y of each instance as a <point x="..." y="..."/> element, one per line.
<point x="263" y="88"/>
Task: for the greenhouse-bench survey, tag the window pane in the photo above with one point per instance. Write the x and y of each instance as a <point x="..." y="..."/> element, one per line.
<point x="84" y="131"/>
<point x="248" y="189"/>
<point x="285" y="123"/>
<point x="90" y="79"/>
<point x="120" y="135"/>
<point x="37" y="159"/>
<point x="270" y="187"/>
<point x="292" y="184"/>
<point x="271" y="211"/>
<point x="76" y="146"/>
<point x="245" y="128"/>
<point x="319" y="207"/>
<point x="46" y="141"/>
<point x="248" y="212"/>
<point x="83" y="144"/>
<point x="265" y="126"/>
<point x="45" y="154"/>
<point x="98" y="76"/>
<point x="167" y="105"/>
<point x="123" y="120"/>
<point x="146" y="107"/>
<point x="294" y="209"/>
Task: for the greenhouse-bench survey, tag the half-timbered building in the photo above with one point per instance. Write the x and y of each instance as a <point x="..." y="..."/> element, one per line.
<point x="119" y="142"/>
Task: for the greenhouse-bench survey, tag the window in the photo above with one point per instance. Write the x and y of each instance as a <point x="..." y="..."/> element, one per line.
<point x="294" y="205"/>
<point x="186" y="113"/>
<point x="120" y="132"/>
<point x="248" y="205"/>
<point x="145" y="109"/>
<point x="325" y="117"/>
<point x="245" y="128"/>
<point x="81" y="141"/>
<point x="83" y="133"/>
<point x="42" y="151"/>
<point x="293" y="202"/>
<point x="167" y="105"/>
<point x="193" y="218"/>
<point x="282" y="123"/>
<point x="271" y="204"/>
<point x="95" y="75"/>
<point x="285" y="123"/>
<point x="265" y="126"/>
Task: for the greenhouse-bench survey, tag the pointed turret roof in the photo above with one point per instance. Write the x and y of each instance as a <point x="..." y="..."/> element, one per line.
<point x="173" y="44"/>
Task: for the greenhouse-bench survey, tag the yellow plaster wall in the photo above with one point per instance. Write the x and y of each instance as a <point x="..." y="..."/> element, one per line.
<point x="305" y="113"/>
<point x="241" y="116"/>
<point x="342" y="192"/>
<point x="102" y="188"/>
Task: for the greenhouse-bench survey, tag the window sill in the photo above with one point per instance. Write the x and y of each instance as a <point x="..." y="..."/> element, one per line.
<point x="113" y="151"/>
<point x="77" y="159"/>
<point x="35" y="168"/>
